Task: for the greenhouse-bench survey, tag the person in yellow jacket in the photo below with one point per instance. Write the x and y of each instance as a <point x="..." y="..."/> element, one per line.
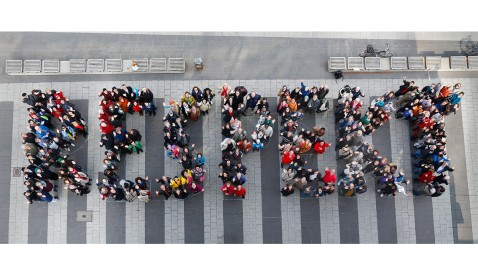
<point x="188" y="98"/>
<point x="187" y="175"/>
<point x="178" y="182"/>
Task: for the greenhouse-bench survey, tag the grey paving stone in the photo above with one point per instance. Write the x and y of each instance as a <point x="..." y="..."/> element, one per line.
<point x="460" y="208"/>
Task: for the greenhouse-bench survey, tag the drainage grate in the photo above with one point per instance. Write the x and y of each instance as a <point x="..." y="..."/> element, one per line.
<point x="84" y="216"/>
<point x="16" y="172"/>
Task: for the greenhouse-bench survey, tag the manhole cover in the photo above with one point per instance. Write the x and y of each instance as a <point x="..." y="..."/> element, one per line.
<point x="84" y="216"/>
<point x="17" y="172"/>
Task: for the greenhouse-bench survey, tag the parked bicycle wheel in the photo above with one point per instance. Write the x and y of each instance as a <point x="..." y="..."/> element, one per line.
<point x="385" y="54"/>
<point x="367" y="54"/>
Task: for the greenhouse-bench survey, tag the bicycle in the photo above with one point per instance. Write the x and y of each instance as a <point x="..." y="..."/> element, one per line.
<point x="371" y="52"/>
<point x="468" y="46"/>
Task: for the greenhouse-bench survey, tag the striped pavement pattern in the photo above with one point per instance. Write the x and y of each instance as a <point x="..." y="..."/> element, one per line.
<point x="264" y="216"/>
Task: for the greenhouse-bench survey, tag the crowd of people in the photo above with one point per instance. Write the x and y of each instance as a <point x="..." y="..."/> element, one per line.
<point x="118" y="141"/>
<point x="236" y="103"/>
<point x="360" y="155"/>
<point x="426" y="110"/>
<point x="47" y="146"/>
<point x="177" y="143"/>
<point x="297" y="141"/>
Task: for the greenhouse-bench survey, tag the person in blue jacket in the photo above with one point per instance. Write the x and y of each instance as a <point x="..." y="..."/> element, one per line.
<point x="252" y="100"/>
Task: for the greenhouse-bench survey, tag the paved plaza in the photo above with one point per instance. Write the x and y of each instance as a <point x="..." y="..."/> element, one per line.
<point x="262" y="62"/>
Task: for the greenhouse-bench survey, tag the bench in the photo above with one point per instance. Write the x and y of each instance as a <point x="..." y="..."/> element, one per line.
<point x="14" y="66"/>
<point x="158" y="65"/>
<point x="416" y="63"/>
<point x="142" y="64"/>
<point x="95" y="65"/>
<point x="177" y="65"/>
<point x="32" y="66"/>
<point x="433" y="62"/>
<point x="337" y="63"/>
<point x="398" y="63"/>
<point x="473" y="62"/>
<point x="113" y="65"/>
<point x="51" y="66"/>
<point x="373" y="63"/>
<point x="355" y="63"/>
<point x="77" y="65"/>
<point x="458" y="62"/>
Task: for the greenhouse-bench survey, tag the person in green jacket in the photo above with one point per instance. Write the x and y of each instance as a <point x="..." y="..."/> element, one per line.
<point x="135" y="146"/>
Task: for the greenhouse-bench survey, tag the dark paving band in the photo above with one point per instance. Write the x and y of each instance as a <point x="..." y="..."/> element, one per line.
<point x="194" y="206"/>
<point x="6" y="123"/>
<point x="76" y="231"/>
<point x="386" y="218"/>
<point x="310" y="207"/>
<point x="270" y="182"/>
<point x="154" y="168"/>
<point x="348" y="207"/>
<point x="116" y="212"/>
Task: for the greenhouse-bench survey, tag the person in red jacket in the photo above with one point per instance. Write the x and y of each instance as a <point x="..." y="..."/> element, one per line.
<point x="104" y="115"/>
<point x="426" y="177"/>
<point x="320" y="147"/>
<point x="329" y="177"/>
<point x="105" y="104"/>
<point x="239" y="191"/>
<point x="135" y="107"/>
<point x="106" y="127"/>
<point x="59" y="96"/>
<point x="426" y="123"/>
<point x="227" y="188"/>
<point x="195" y="188"/>
<point x="288" y="157"/>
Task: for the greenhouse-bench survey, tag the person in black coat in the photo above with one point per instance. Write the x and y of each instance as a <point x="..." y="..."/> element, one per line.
<point x="117" y="193"/>
<point x="229" y="114"/>
<point x="287" y="190"/>
<point x="225" y="176"/>
<point x="31" y="196"/>
<point x="227" y="166"/>
<point x="240" y="168"/>
<point x="134" y="135"/>
<point x="169" y="140"/>
<point x="252" y="100"/>
<point x="145" y="96"/>
<point x="107" y="141"/>
<point x="165" y="191"/>
<point x="180" y="193"/>
<point x="186" y="162"/>
<point x="171" y="117"/>
<point x="197" y="94"/>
